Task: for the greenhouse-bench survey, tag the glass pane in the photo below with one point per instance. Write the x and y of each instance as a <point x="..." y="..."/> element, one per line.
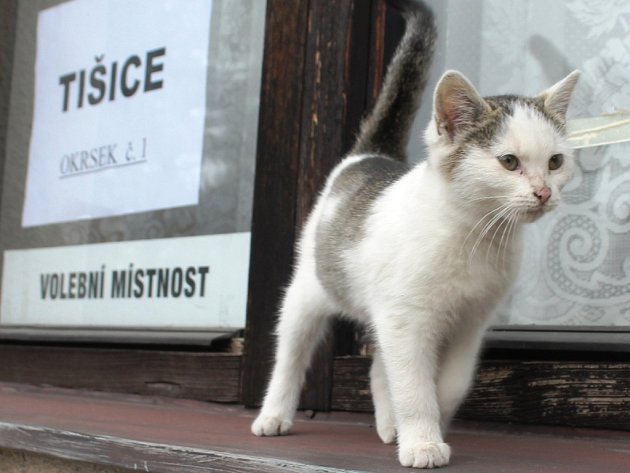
<point x="129" y="167"/>
<point x="576" y="269"/>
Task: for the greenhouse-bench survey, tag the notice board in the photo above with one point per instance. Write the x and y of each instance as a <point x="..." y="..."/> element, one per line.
<point x="126" y="200"/>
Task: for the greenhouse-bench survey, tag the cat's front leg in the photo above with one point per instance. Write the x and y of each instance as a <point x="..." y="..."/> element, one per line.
<point x="409" y="347"/>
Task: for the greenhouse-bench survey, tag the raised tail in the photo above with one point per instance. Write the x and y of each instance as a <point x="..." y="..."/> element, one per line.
<point x="386" y="130"/>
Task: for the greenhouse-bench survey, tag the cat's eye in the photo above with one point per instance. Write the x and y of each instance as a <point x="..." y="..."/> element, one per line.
<point x="555" y="162"/>
<point x="509" y="162"/>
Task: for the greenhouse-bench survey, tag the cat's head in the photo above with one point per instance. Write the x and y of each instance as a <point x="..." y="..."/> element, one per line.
<point x="506" y="152"/>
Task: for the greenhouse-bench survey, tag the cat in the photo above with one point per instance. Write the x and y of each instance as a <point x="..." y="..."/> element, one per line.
<point x="420" y="255"/>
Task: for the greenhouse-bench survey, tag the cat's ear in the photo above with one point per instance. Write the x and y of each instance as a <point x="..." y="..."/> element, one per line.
<point x="456" y="105"/>
<point x="556" y="98"/>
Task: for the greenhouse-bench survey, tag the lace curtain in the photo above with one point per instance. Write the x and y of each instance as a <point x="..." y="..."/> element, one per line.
<point x="576" y="265"/>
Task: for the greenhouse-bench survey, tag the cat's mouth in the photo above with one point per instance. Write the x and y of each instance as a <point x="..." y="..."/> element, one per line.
<point x="534" y="213"/>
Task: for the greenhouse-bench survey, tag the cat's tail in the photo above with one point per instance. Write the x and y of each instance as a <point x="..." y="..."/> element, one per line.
<point x="386" y="130"/>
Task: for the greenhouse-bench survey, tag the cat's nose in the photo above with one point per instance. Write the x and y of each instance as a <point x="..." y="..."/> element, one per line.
<point x="542" y="194"/>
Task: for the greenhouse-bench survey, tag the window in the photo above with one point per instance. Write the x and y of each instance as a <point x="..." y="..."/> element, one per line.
<point x="129" y="167"/>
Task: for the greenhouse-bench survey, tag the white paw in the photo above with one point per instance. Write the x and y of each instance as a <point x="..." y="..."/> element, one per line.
<point x="386" y="431"/>
<point x="269" y="426"/>
<point x="424" y="454"/>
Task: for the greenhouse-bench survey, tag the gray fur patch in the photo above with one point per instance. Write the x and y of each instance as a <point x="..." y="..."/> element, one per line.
<point x="356" y="189"/>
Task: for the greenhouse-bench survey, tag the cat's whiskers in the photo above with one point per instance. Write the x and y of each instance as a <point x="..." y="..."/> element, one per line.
<point x="488" y="214"/>
<point x="504" y="209"/>
<point x="492" y="219"/>
<point x="488" y="226"/>
<point x="502" y="224"/>
<point x="505" y="224"/>
<point x="513" y="219"/>
<point x="490" y="197"/>
<point x="501" y="248"/>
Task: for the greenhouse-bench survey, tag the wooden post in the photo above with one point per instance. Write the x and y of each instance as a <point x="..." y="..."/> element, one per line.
<point x="275" y="186"/>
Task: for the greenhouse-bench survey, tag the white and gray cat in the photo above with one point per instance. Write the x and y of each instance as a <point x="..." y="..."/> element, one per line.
<point x="420" y="255"/>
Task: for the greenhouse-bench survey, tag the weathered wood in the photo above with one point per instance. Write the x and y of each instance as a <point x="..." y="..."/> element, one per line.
<point x="145" y="456"/>
<point x="351" y="387"/>
<point x="165" y="435"/>
<point x="387" y="29"/>
<point x="572" y="393"/>
<point x="275" y="186"/>
<point x="593" y="394"/>
<point x="202" y="376"/>
<point x="13" y="461"/>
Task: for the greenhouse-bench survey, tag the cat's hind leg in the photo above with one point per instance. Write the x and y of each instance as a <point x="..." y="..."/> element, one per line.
<point x="304" y="320"/>
<point x="383" y="410"/>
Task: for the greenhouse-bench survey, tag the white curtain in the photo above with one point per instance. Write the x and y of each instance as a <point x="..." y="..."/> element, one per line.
<point x="576" y="269"/>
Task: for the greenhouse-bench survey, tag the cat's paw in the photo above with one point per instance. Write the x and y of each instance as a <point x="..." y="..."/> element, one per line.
<point x="424" y="454"/>
<point x="385" y="425"/>
<point x="270" y="426"/>
<point x="386" y="431"/>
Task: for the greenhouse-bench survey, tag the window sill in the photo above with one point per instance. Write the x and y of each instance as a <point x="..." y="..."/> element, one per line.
<point x="604" y="340"/>
<point x="165" y="435"/>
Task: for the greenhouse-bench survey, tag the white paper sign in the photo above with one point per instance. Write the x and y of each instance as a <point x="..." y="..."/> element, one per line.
<point x="120" y="93"/>
<point x="191" y="282"/>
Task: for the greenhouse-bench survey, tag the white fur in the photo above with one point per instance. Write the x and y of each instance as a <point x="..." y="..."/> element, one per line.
<point x="437" y="256"/>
